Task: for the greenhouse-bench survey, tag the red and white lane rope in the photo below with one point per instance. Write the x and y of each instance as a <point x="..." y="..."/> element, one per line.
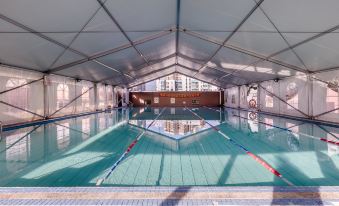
<point x="256" y="158"/>
<point x="129" y="148"/>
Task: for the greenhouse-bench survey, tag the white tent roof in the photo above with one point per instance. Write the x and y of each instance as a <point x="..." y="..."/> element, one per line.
<point x="128" y="42"/>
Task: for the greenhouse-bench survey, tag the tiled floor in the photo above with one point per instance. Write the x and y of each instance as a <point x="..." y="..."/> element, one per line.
<point x="170" y="196"/>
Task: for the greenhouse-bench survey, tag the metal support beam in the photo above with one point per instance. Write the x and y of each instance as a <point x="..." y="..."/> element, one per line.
<point x="296" y="45"/>
<point x="22" y="85"/>
<point x="321" y="114"/>
<point x="177" y="30"/>
<point x="326" y="70"/>
<point x="25" y="110"/>
<point x="243" y="51"/>
<point x="18" y="140"/>
<point x="111" y="51"/>
<point x="39" y="34"/>
<point x="257" y="4"/>
<point x="121" y="30"/>
<point x="153" y="62"/>
<point x="197" y="78"/>
<point x="70" y="102"/>
<point x="149" y="80"/>
<point x="333" y="135"/>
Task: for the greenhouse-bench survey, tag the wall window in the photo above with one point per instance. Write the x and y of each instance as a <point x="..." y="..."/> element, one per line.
<point x="17" y="97"/>
<point x="332" y="100"/>
<point x="195" y="102"/>
<point x="62" y="95"/>
<point x="172" y="100"/>
<point x="156" y="100"/>
<point x="269" y="97"/>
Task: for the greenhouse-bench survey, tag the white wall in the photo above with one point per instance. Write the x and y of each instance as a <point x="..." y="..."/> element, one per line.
<point x="310" y="97"/>
<point x="36" y="95"/>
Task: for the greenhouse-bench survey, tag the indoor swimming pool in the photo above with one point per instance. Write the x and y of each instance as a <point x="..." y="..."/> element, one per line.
<point x="177" y="147"/>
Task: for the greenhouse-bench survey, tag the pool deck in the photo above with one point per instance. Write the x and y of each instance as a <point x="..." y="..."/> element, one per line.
<point x="170" y="196"/>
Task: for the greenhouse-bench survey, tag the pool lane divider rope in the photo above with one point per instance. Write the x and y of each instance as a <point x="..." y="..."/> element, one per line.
<point x="289" y="130"/>
<point x="129" y="148"/>
<point x="256" y="158"/>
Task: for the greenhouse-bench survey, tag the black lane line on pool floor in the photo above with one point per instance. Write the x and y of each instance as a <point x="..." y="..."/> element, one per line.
<point x="129" y="148"/>
<point x="256" y="158"/>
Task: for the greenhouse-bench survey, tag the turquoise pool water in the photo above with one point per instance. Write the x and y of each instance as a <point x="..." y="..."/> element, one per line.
<point x="178" y="149"/>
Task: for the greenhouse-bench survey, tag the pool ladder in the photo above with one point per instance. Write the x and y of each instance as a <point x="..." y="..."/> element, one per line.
<point x="0" y="130"/>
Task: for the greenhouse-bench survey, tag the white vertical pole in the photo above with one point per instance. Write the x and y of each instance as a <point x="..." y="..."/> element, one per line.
<point x="258" y="97"/>
<point x="238" y="97"/>
<point x="45" y="96"/>
<point x="310" y="96"/>
<point x="95" y="96"/>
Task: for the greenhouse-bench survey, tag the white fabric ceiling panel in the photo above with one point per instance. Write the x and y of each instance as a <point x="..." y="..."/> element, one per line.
<point x="302" y="15"/>
<point x="27" y="50"/>
<point x="153" y="76"/>
<point x="198" y="76"/>
<point x="101" y="22"/>
<point x="216" y="36"/>
<point x="257" y="42"/>
<point x="146" y="15"/>
<point x="50" y="15"/>
<point x="164" y="63"/>
<point x="125" y="60"/>
<point x="63" y="38"/>
<point x="195" y="48"/>
<point x="213" y="15"/>
<point x="234" y="80"/>
<point x="289" y="57"/>
<point x="230" y="59"/>
<point x="154" y="67"/>
<point x="266" y="67"/>
<point x="322" y="52"/>
<point x="252" y="76"/>
<point x="88" y="71"/>
<point x="256" y="33"/>
<point x="138" y="35"/>
<point x="65" y="58"/>
<point x="92" y="43"/>
<point x="188" y="63"/>
<point x="7" y="27"/>
<point x="212" y="72"/>
<point x="158" y="48"/>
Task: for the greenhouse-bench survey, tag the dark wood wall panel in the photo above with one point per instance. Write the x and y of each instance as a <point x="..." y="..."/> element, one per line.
<point x="211" y="99"/>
